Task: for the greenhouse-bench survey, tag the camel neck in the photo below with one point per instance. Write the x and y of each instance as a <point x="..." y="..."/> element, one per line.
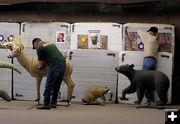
<point x="24" y="61"/>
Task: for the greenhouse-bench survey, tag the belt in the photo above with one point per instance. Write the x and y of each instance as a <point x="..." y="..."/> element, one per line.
<point x="151" y="57"/>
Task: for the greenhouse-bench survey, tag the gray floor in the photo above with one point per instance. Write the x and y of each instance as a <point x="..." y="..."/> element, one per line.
<point x="25" y="112"/>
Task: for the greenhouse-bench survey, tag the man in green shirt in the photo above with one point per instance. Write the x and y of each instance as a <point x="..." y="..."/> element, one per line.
<point x="49" y="54"/>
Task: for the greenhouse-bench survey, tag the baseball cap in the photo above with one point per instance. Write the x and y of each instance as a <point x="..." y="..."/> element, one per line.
<point x="34" y="40"/>
<point x="153" y="29"/>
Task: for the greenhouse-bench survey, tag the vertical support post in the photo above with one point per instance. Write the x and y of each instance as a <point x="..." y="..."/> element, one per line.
<point x="116" y="99"/>
<point x="12" y="82"/>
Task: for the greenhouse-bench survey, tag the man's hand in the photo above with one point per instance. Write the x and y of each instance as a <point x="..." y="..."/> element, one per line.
<point x="41" y="65"/>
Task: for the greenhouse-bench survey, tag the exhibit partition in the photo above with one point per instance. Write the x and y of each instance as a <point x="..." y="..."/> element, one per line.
<point x="57" y="32"/>
<point x="133" y="52"/>
<point x="7" y="29"/>
<point x="94" y="53"/>
<point x="94" y="49"/>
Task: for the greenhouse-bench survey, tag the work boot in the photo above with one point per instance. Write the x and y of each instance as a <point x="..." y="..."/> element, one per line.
<point x="53" y="105"/>
<point x="44" y="107"/>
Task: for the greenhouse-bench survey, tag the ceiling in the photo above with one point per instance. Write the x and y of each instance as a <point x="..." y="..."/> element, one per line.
<point x="9" y="2"/>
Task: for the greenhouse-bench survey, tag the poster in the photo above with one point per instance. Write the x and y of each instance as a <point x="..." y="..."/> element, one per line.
<point x="103" y="44"/>
<point x="92" y="41"/>
<point x="134" y="43"/>
<point x="82" y="41"/>
<point x="101" y="36"/>
<point x="60" y="37"/>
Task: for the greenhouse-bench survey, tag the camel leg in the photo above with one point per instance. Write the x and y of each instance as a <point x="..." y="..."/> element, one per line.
<point x="70" y="85"/>
<point x="67" y="79"/>
<point x="5" y="96"/>
<point x="38" y="84"/>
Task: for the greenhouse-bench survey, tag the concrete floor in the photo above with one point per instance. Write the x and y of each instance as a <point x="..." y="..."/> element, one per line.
<point x="25" y="112"/>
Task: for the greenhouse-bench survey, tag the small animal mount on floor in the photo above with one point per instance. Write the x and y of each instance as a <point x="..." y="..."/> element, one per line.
<point x="93" y="93"/>
<point x="144" y="80"/>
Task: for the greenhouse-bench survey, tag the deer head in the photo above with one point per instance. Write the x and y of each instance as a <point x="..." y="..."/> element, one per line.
<point x="15" y="47"/>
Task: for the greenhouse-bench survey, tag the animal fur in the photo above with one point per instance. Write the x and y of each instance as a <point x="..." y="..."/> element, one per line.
<point x="142" y="81"/>
<point x="93" y="93"/>
<point x="31" y="65"/>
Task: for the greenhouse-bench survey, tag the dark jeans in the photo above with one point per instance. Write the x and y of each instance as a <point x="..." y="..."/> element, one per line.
<point x="149" y="63"/>
<point x="54" y="79"/>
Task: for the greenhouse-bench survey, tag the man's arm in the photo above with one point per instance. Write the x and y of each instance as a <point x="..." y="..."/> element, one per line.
<point x="41" y="64"/>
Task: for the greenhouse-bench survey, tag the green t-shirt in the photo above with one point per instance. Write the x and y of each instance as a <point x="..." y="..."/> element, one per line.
<point x="49" y="53"/>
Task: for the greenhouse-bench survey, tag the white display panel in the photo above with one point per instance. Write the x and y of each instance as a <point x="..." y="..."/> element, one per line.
<point x="136" y="57"/>
<point x="129" y="57"/>
<point x="165" y="64"/>
<point x="6" y="74"/>
<point x="106" y="36"/>
<point x="133" y="53"/>
<point x="8" y="29"/>
<point x="25" y="84"/>
<point x="93" y="67"/>
<point x="57" y="32"/>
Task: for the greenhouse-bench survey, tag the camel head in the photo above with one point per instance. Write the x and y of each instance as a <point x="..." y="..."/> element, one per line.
<point x="14" y="46"/>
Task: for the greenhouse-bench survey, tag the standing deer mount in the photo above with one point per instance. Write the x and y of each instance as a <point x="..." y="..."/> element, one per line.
<point x="31" y="65"/>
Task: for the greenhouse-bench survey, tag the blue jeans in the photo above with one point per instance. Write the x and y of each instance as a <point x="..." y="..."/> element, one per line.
<point x="53" y="82"/>
<point x="149" y="63"/>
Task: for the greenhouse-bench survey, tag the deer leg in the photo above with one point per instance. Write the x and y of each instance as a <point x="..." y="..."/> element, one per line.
<point x="38" y="84"/>
<point x="70" y="85"/>
<point x="67" y="79"/>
